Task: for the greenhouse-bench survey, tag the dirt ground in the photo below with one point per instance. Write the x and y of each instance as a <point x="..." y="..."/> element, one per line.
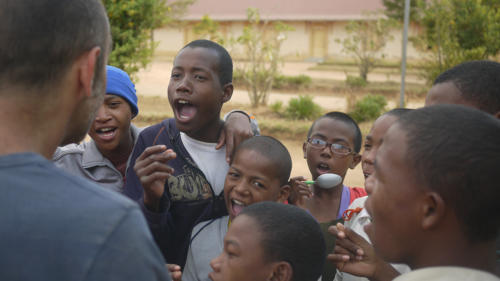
<point x="153" y="81"/>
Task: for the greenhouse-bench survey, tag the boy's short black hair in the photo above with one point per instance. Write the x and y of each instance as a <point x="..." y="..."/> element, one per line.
<point x="225" y="66"/>
<point x="398" y="112"/>
<point x="290" y="234"/>
<point x="477" y="81"/>
<point x="454" y="150"/>
<point x="39" y="39"/>
<point x="273" y="150"/>
<point x="336" y="115"/>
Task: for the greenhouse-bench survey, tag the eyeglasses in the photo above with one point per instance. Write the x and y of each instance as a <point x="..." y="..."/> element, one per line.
<point x="336" y="148"/>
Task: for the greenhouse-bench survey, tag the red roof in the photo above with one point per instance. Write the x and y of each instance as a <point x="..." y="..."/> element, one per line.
<point x="285" y="10"/>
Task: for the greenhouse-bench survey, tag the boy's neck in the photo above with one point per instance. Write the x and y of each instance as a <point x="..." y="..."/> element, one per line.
<point x="209" y="133"/>
<point x="481" y="256"/>
<point x="328" y="194"/>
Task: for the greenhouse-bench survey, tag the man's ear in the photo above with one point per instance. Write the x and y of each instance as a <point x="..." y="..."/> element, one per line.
<point x="497" y="115"/>
<point x="86" y="65"/>
<point x="433" y="210"/>
<point x="356" y="158"/>
<point x="282" y="271"/>
<point x="227" y="92"/>
<point x="304" y="149"/>
<point x="284" y="193"/>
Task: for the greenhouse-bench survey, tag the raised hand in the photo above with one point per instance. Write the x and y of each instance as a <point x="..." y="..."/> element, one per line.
<point x="354" y="255"/>
<point x="152" y="170"/>
<point x="299" y="191"/>
<point x="236" y="129"/>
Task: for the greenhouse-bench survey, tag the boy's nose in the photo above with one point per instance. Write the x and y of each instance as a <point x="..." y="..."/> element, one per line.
<point x="215" y="263"/>
<point x="184" y="85"/>
<point x="102" y="114"/>
<point x="327" y="151"/>
<point x="241" y="188"/>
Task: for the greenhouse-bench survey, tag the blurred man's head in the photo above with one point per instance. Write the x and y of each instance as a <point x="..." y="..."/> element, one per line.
<point x="44" y="42"/>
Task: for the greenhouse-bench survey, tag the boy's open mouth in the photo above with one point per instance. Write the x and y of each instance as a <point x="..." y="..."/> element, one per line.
<point x="237" y="206"/>
<point x="184" y="110"/>
<point x="107" y="133"/>
<point x="323" y="168"/>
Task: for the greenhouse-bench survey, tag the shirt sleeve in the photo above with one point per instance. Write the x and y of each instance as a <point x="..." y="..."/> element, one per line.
<point x="129" y="253"/>
<point x="133" y="187"/>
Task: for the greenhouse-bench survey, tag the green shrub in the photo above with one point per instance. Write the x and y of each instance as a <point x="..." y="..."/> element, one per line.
<point x="294" y="82"/>
<point x="368" y="108"/>
<point x="276" y="107"/>
<point x="302" y="107"/>
<point x="355" y="82"/>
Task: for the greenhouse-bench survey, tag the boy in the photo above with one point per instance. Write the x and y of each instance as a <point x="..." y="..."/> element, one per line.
<point x="271" y="241"/>
<point x="332" y="146"/>
<point x="56" y="226"/>
<point x="356" y="217"/>
<point x="444" y="219"/>
<point x="104" y="158"/>
<point x="178" y="174"/>
<point x="473" y="83"/>
<point x="259" y="172"/>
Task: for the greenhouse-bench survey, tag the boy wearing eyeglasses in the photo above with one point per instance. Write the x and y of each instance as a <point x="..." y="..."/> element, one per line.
<point x="332" y="146"/>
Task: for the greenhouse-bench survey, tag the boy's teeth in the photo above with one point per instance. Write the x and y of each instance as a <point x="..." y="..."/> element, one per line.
<point x="183" y="102"/>
<point x="106" y="130"/>
<point x="236" y="202"/>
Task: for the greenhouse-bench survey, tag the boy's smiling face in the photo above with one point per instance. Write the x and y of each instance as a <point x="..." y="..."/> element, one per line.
<point x="195" y="93"/>
<point x="111" y="125"/>
<point x="321" y="161"/>
<point x="252" y="178"/>
<point x="393" y="201"/>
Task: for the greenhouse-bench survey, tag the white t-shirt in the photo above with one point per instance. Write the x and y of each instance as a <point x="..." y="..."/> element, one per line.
<point x="447" y="273"/>
<point x="211" y="162"/>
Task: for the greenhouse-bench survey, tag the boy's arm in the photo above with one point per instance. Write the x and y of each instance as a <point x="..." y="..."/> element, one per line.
<point x="238" y="126"/>
<point x="129" y="253"/>
<point x="158" y="221"/>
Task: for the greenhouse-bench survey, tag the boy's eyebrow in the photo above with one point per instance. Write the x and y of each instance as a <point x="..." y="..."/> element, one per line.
<point x="232" y="242"/>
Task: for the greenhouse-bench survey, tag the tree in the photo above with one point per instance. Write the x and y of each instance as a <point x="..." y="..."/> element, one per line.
<point x="132" y="24"/>
<point x="394" y="9"/>
<point x="261" y="44"/>
<point x="365" y="40"/>
<point x="209" y="29"/>
<point x="456" y="31"/>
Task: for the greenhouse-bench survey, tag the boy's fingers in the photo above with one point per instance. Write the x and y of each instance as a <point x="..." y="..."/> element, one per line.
<point x="335" y="231"/>
<point x="151" y="150"/>
<point x="161" y="158"/>
<point x="149" y="179"/>
<point x="338" y="258"/>
<point x="222" y="139"/>
<point x="154" y="167"/>
<point x="348" y="244"/>
<point x="230" y="143"/>
<point x="357" y="239"/>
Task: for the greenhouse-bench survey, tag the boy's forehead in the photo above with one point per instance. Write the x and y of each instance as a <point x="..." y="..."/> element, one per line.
<point x="445" y="93"/>
<point x="334" y="128"/>
<point x="197" y="56"/>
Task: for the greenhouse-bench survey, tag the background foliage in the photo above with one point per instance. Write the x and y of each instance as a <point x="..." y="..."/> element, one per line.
<point x="132" y="24"/>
